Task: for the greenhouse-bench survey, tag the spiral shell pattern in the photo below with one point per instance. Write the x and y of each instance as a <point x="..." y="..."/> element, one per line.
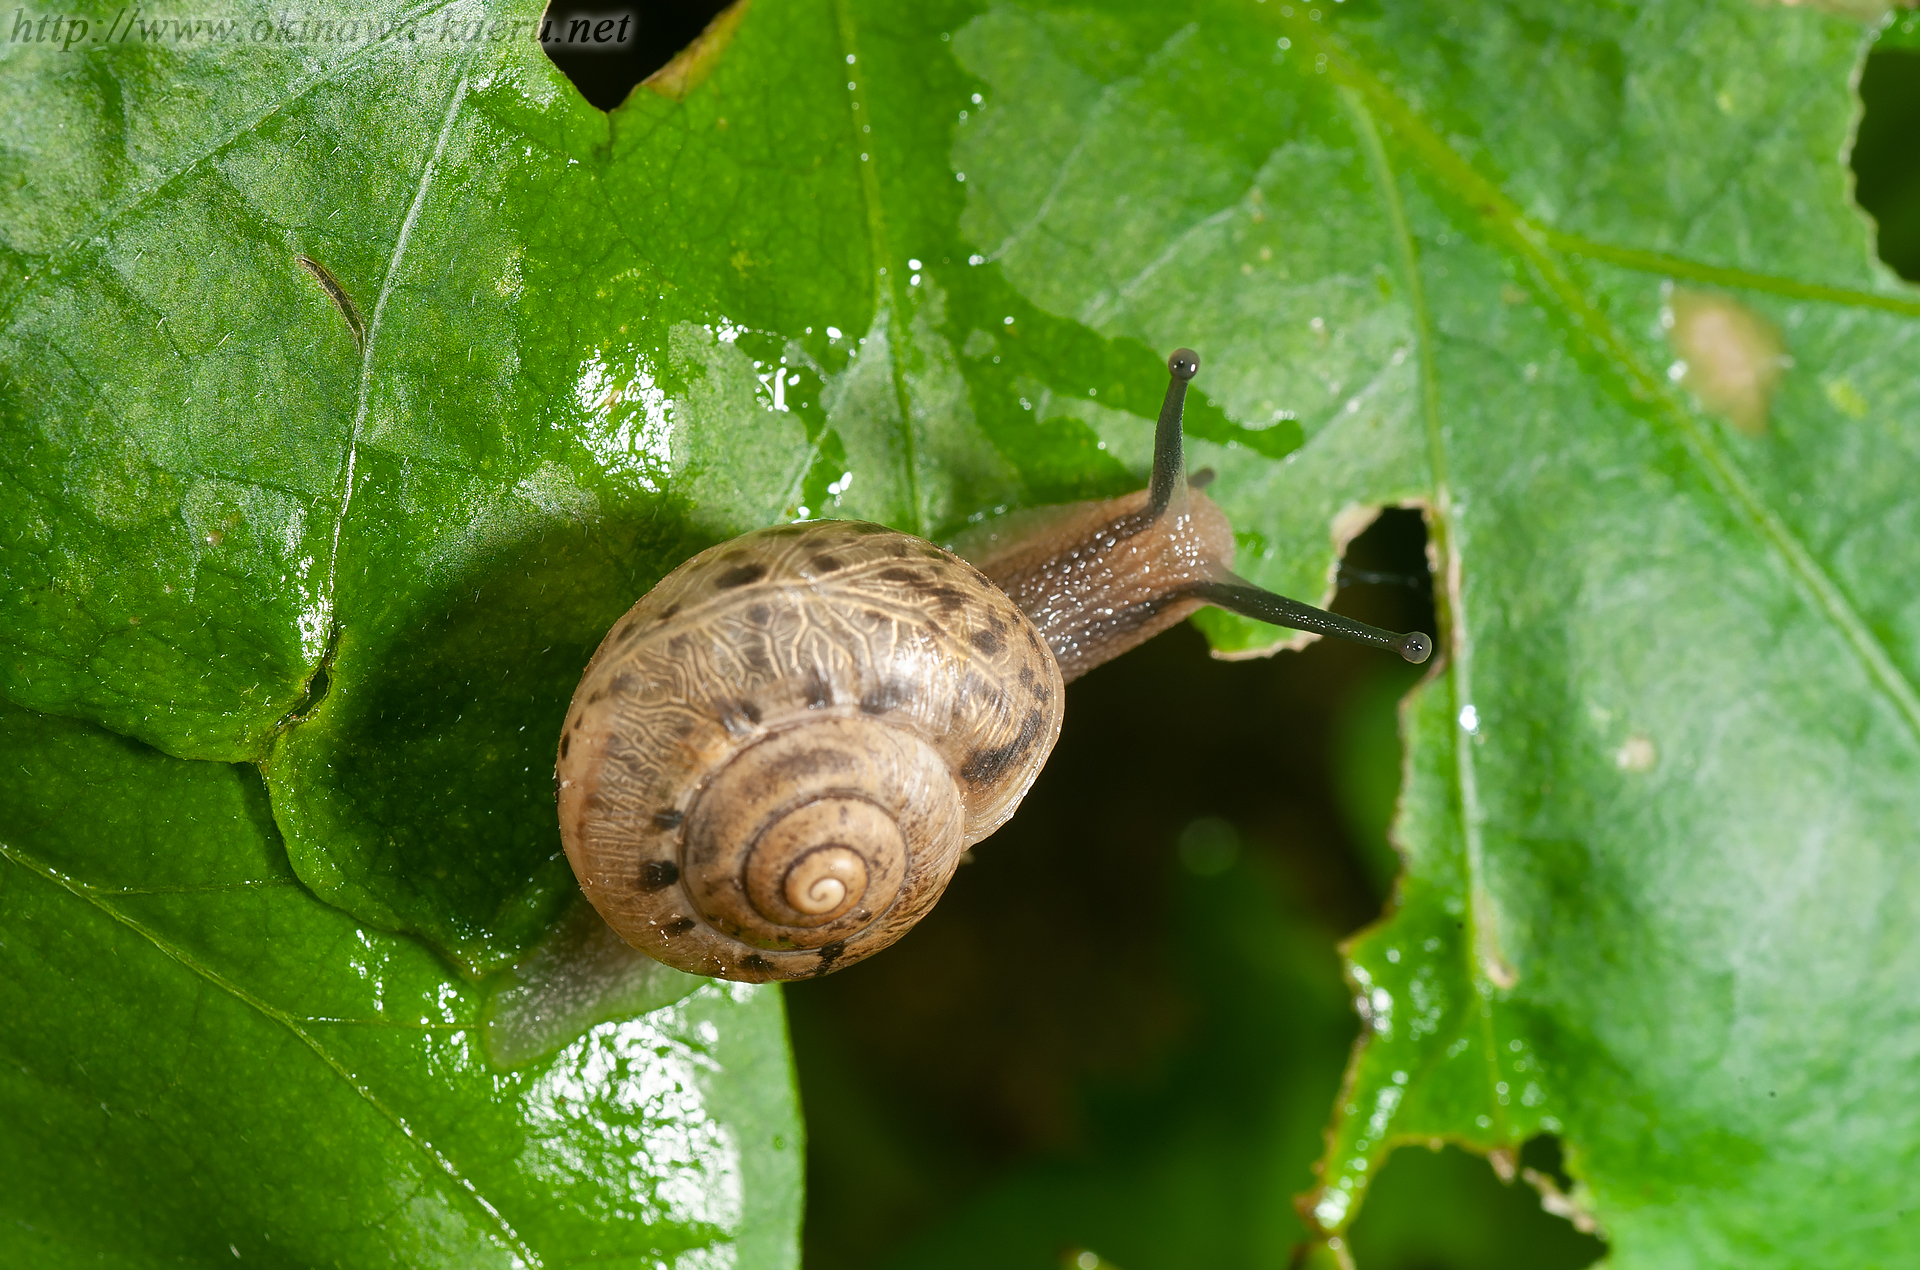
<point x="775" y="759"/>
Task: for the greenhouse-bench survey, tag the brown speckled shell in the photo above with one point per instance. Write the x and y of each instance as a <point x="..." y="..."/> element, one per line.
<point x="844" y="628"/>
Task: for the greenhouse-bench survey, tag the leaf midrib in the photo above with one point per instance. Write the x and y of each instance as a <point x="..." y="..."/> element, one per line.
<point x="370" y="343"/>
<point x="891" y="300"/>
<point x="1458" y="629"/>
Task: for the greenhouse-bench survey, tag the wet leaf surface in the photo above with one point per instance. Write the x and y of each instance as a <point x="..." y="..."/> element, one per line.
<point x="914" y="265"/>
<point x="205" y="1062"/>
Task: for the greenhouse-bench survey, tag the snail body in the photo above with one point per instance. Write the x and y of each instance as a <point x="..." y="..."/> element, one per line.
<point x="1101" y="577"/>
<point x="773" y="763"/>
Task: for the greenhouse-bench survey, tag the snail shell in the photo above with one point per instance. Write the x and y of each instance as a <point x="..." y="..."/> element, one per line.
<point x="776" y="758"/>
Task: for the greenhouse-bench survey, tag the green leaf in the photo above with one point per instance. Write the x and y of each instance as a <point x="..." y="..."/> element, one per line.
<point x="203" y="1061"/>
<point x="1660" y="797"/>
<point x="354" y="388"/>
<point x="1661" y="794"/>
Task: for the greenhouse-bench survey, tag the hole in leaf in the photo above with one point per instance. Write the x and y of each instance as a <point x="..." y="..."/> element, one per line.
<point x="607" y="47"/>
<point x="1384" y="580"/>
<point x="1392" y="552"/>
<point x="1448" y="1210"/>
<point x="1542" y="1154"/>
<point x="1886" y="166"/>
<point x="1123" y="1026"/>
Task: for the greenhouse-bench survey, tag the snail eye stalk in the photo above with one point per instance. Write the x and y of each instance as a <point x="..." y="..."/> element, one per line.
<point x="1236" y="594"/>
<point x="1169" y="459"/>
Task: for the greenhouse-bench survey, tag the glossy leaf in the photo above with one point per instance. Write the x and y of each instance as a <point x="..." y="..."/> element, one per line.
<point x="205" y="1062"/>
<point x="916" y="264"/>
<point x="1660" y="804"/>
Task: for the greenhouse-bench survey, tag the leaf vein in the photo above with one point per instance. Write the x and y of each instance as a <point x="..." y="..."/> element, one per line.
<point x="1479" y="947"/>
<point x="1532" y="245"/>
<point x="92" y="235"/>
<point x="371" y="341"/>
<point x="888" y="299"/>
<point x="1680" y="267"/>
<point x="82" y="891"/>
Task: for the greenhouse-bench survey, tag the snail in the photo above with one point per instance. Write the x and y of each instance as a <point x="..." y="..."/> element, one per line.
<point x="774" y="761"/>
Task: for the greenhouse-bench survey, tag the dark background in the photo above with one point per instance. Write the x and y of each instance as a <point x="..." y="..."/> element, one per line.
<point x="1121" y="1030"/>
